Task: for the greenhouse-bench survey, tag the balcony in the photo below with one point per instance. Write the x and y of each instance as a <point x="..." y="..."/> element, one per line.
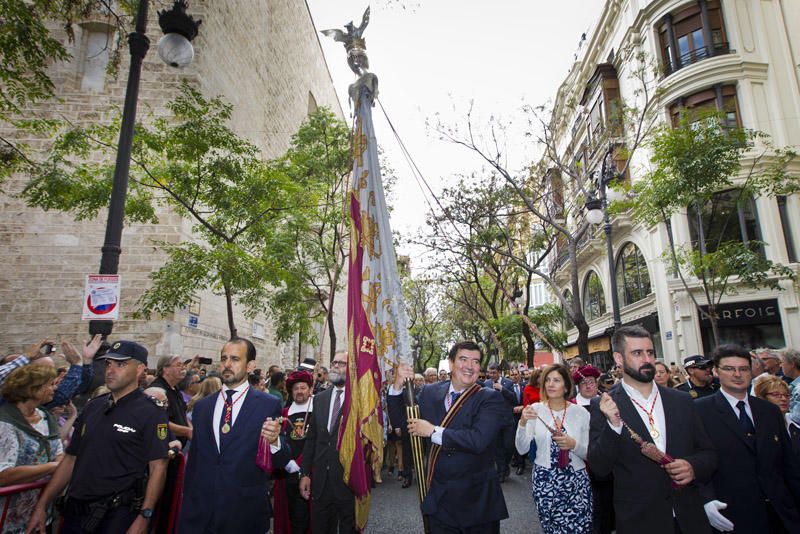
<point x="696" y="55"/>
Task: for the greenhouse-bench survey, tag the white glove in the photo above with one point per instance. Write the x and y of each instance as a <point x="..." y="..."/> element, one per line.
<point x="292" y="467"/>
<point x="717" y="520"/>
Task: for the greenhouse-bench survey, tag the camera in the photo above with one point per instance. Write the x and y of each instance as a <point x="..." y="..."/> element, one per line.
<point x="202" y="360"/>
<point x="47" y="349"/>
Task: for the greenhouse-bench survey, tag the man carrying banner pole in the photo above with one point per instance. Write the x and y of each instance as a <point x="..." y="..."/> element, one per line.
<point x="462" y="421"/>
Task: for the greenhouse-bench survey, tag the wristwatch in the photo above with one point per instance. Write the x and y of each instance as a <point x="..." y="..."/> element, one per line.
<point x="147" y="513"/>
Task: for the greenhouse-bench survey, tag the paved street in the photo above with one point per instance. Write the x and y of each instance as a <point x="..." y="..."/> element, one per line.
<point x="395" y="509"/>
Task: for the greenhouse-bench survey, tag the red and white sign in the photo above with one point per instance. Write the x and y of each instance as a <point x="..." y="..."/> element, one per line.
<point x="101" y="297"/>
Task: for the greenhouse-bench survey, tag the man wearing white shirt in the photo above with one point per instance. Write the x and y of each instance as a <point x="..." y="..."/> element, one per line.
<point x="649" y="497"/>
<point x="756" y="487"/>
<point x="225" y="491"/>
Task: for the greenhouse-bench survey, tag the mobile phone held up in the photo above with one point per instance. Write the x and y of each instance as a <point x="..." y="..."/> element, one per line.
<point x="202" y="360"/>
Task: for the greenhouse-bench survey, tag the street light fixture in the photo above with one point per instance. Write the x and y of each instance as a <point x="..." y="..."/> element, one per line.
<point x="597" y="212"/>
<point x="171" y="22"/>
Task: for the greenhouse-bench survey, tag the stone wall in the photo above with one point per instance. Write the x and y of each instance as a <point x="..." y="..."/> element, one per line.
<point x="265" y="59"/>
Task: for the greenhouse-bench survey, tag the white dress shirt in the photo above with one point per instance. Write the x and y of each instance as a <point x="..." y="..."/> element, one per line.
<point x="333" y="399"/>
<point x="658" y="413"/>
<point x="733" y="401"/>
<point x="237" y="405"/>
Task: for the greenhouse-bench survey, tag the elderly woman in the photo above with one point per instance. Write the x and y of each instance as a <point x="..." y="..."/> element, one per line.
<point x="30" y="441"/>
<point x="776" y="391"/>
<point x="561" y="487"/>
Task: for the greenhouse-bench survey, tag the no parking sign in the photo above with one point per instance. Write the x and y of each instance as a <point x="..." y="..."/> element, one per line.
<point x="101" y="297"/>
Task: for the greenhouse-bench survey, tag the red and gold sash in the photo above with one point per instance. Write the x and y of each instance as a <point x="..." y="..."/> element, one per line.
<point x="448" y="418"/>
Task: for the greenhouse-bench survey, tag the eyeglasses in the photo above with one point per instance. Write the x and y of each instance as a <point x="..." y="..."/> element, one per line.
<point x="776" y="395"/>
<point x="338" y="364"/>
<point x="732" y="369"/>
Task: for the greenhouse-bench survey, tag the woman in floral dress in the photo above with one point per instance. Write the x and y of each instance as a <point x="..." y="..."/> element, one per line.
<point x="30" y="443"/>
<point x="561" y="487"/>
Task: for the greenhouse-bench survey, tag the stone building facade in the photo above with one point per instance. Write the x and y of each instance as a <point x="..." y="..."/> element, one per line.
<point x="262" y="57"/>
<point x="730" y="55"/>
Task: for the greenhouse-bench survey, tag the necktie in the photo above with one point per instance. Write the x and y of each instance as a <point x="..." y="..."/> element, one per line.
<point x="453" y="397"/>
<point x="744" y="420"/>
<point x="516" y="391"/>
<point x="337" y="407"/>
<point x="226" y="419"/>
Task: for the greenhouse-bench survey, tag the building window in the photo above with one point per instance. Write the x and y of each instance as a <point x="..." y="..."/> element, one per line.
<point x="633" y="280"/>
<point x="594" y="303"/>
<point x="787" y="229"/>
<point x="259" y="330"/>
<point x="720" y="99"/>
<point x="312" y="103"/>
<point x="726" y="217"/>
<point x="95" y="47"/>
<point x="538" y="295"/>
<point x="568" y="324"/>
<point x="691" y="35"/>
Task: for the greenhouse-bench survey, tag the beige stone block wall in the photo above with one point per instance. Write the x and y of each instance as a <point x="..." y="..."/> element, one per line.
<point x="263" y="57"/>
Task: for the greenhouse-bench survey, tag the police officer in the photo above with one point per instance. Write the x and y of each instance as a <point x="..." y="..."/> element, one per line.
<point x="117" y="459"/>
<point x="701" y="382"/>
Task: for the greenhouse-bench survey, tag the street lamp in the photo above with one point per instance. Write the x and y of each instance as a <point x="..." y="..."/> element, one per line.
<point x="172" y="22"/>
<point x="597" y="212"/>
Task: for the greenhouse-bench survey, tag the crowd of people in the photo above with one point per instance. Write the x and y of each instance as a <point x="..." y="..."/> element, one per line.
<point x="640" y="447"/>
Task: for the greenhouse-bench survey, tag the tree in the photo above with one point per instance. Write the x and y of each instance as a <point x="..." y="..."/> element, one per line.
<point x="425" y="321"/>
<point x="511" y="329"/>
<point x="319" y="159"/>
<point x="27" y="48"/>
<point x="698" y="168"/>
<point x="192" y="163"/>
<point x="553" y="191"/>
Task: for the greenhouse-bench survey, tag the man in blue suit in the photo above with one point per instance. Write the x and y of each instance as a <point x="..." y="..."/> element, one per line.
<point x="756" y="487"/>
<point x="225" y="491"/>
<point x="463" y="421"/>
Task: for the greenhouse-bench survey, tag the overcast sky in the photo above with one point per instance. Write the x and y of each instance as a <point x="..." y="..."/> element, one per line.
<point x="434" y="57"/>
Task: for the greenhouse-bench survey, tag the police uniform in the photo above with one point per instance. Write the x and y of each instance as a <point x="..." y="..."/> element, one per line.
<point x="113" y="444"/>
<point x="697" y="392"/>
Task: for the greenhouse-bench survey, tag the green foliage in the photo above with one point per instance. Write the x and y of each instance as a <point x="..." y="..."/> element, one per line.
<point x="547" y="318"/>
<point x="193" y="164"/>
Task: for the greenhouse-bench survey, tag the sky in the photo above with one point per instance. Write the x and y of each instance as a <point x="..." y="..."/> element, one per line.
<point x="435" y="59"/>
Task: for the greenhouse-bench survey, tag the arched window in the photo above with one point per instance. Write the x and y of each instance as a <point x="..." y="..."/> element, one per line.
<point x="568" y="324"/>
<point x="312" y="103"/>
<point x="633" y="281"/>
<point x="594" y="303"/>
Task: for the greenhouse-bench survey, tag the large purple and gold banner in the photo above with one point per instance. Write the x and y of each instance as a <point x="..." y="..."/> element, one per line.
<point x="376" y="320"/>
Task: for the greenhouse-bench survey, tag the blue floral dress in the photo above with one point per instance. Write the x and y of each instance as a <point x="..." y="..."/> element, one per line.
<point x="562" y="496"/>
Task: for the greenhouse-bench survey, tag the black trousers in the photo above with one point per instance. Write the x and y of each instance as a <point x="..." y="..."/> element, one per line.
<point x="332" y="514"/>
<point x="437" y="527"/>
<point x="115" y="521"/>
<point x="298" y="506"/>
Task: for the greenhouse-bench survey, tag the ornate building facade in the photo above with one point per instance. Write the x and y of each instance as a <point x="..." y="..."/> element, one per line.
<point x="262" y="57"/>
<point x="734" y="56"/>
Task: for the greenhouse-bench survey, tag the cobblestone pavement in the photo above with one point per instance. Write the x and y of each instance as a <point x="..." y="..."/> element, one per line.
<point x="395" y="510"/>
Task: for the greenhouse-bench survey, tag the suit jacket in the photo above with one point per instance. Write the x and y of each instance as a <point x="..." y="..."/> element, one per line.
<point x="465" y="490"/>
<point x="225" y="491"/>
<point x="752" y="469"/>
<point x="320" y="455"/>
<point x="644" y="499"/>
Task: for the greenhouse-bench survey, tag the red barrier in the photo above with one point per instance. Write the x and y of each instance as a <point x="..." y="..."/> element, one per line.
<point x="9" y="491"/>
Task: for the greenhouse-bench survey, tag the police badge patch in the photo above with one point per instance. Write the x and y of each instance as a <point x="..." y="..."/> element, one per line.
<point x="161" y="432"/>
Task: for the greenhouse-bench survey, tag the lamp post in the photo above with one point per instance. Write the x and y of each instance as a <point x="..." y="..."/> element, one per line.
<point x="597" y="212"/>
<point x="179" y="29"/>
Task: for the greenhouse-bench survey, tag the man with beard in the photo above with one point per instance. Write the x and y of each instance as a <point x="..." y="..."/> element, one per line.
<point x="171" y="372"/>
<point x="321" y="472"/>
<point x="701" y="381"/>
<point x="225" y="491"/>
<point x="291" y="509"/>
<point x="649" y="497"/>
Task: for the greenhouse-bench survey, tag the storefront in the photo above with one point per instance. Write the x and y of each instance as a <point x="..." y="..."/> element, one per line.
<point x="752" y="324"/>
<point x="600" y="354"/>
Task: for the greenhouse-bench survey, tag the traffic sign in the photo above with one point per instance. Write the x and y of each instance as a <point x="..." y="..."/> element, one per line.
<point x="101" y="297"/>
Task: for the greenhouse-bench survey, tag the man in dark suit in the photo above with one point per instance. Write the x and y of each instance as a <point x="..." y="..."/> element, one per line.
<point x="396" y="411"/>
<point x="648" y="497"/>
<point x="517" y="460"/>
<point x="463" y="421"/>
<point x="757" y="484"/>
<point x="321" y="473"/>
<point x="505" y="439"/>
<point x="225" y="491"/>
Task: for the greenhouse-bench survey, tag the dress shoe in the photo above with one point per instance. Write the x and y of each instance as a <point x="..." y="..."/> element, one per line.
<point x="406" y="482"/>
<point x="520" y="469"/>
<point x="391" y="470"/>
